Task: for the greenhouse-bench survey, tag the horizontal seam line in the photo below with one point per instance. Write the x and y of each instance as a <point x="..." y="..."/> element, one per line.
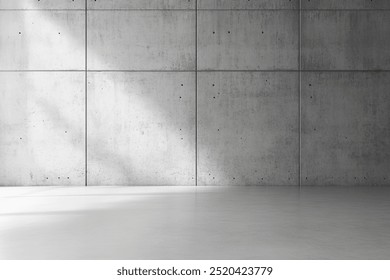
<point x="193" y="71"/>
<point x="193" y="10"/>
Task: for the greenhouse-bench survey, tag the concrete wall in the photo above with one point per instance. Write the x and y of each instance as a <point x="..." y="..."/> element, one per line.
<point x="179" y="92"/>
<point x="345" y="92"/>
<point x="248" y="93"/>
<point x="42" y="93"/>
<point x="141" y="92"/>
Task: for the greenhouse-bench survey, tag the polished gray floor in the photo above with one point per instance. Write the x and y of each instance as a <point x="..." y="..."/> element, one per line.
<point x="195" y="223"/>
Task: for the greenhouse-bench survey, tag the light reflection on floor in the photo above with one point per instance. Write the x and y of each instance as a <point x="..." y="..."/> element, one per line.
<point x="195" y="223"/>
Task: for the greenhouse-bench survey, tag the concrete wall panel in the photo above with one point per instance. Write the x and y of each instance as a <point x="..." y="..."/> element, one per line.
<point x="42" y="40"/>
<point x="346" y="128"/>
<point x="245" y="4"/>
<point x="141" y="128"/>
<point x="141" y="4"/>
<point x="248" y="40"/>
<point x="346" y="40"/>
<point x="42" y="4"/>
<point x="248" y="128"/>
<point x="41" y="129"/>
<point x="141" y="40"/>
<point x="346" y="4"/>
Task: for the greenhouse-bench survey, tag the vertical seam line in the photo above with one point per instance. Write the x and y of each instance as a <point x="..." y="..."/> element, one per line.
<point x="196" y="92"/>
<point x="300" y="90"/>
<point x="86" y="94"/>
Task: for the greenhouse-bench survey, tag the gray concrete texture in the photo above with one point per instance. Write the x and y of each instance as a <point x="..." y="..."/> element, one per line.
<point x="141" y="40"/>
<point x="141" y="128"/>
<point x="345" y="40"/>
<point x="254" y="4"/>
<point x="345" y="128"/>
<point x="152" y="118"/>
<point x="30" y="41"/>
<point x="141" y="4"/>
<point x="42" y="4"/>
<point x="42" y="142"/>
<point x="247" y="40"/>
<point x="248" y="137"/>
<point x="346" y="4"/>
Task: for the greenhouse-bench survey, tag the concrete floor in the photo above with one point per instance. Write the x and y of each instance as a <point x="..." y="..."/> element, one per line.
<point x="195" y="223"/>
